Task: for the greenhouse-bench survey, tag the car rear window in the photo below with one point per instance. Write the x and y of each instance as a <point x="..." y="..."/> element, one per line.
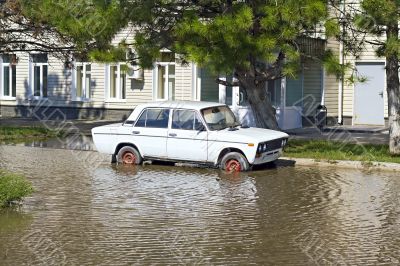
<point x="154" y="118"/>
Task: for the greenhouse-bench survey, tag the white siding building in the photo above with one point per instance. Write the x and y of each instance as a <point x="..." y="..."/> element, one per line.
<point x="45" y="87"/>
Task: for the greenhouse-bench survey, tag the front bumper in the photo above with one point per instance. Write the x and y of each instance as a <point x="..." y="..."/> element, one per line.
<point x="268" y="156"/>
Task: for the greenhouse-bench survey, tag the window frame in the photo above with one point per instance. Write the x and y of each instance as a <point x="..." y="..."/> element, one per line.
<point x="41" y="66"/>
<point x="156" y="82"/>
<point x="12" y="77"/>
<point x="120" y="96"/>
<point x="85" y="91"/>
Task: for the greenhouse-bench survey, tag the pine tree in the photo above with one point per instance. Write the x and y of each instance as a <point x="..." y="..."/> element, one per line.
<point x="17" y="33"/>
<point x="254" y="40"/>
<point x="84" y="25"/>
<point x="376" y="23"/>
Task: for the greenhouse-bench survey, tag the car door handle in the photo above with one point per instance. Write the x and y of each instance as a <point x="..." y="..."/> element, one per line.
<point x="172" y="135"/>
<point x="135" y="132"/>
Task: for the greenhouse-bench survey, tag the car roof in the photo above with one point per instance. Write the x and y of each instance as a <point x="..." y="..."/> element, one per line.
<point x="197" y="105"/>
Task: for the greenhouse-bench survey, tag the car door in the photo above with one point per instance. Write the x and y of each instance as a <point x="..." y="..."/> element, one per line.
<point x="150" y="132"/>
<point x="187" y="137"/>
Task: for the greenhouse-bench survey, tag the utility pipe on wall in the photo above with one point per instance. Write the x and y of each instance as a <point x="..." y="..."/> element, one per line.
<point x="341" y="61"/>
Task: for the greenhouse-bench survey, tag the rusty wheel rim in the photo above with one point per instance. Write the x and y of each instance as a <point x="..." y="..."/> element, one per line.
<point x="128" y="158"/>
<point x="233" y="166"/>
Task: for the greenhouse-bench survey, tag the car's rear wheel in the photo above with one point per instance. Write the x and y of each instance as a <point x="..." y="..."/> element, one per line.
<point x="129" y="156"/>
<point x="234" y="162"/>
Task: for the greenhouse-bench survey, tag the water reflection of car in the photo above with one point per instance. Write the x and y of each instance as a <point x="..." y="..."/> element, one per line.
<point x="186" y="131"/>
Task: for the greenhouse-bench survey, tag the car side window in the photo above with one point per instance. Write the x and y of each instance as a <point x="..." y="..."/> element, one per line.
<point x="141" y="122"/>
<point x="154" y="118"/>
<point x="186" y="120"/>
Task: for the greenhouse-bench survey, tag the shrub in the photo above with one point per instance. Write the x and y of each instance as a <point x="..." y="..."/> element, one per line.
<point x="13" y="188"/>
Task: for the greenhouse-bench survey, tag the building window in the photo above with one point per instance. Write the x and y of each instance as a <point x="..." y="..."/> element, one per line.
<point x="274" y="92"/>
<point x="165" y="77"/>
<point x="294" y="92"/>
<point x="38" y="75"/>
<point x="116" y="76"/>
<point x="209" y="88"/>
<point x="229" y="90"/>
<point x="82" y="79"/>
<point x="8" y="76"/>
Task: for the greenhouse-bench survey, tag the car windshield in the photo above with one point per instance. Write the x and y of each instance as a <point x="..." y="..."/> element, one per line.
<point x="219" y="117"/>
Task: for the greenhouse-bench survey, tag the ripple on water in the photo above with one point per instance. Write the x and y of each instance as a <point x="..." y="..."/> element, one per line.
<point x="171" y="215"/>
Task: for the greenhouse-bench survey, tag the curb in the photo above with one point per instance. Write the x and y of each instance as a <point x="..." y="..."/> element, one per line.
<point x="354" y="130"/>
<point x="342" y="164"/>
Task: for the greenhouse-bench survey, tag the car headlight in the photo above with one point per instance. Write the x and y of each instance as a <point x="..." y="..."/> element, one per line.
<point x="284" y="142"/>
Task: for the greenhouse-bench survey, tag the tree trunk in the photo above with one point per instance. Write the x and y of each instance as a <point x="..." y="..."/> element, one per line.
<point x="263" y="111"/>
<point x="393" y="92"/>
<point x="392" y="73"/>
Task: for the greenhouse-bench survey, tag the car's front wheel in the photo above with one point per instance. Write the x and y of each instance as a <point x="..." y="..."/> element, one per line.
<point x="129" y="155"/>
<point x="234" y="162"/>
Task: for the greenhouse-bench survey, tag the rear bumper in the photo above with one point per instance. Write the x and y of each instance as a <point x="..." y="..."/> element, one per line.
<point x="268" y="157"/>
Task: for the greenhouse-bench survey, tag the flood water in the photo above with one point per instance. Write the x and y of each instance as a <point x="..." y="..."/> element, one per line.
<point x="89" y="213"/>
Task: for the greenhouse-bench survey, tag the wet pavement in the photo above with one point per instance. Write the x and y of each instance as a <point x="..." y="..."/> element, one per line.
<point x="71" y="127"/>
<point x="86" y="211"/>
<point x="69" y="142"/>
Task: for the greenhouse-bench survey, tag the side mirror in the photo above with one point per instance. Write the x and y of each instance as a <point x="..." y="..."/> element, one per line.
<point x="128" y="123"/>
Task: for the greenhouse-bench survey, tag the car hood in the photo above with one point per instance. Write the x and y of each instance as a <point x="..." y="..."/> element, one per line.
<point x="247" y="135"/>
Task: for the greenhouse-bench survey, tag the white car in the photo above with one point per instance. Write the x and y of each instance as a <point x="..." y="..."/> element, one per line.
<point x="188" y="131"/>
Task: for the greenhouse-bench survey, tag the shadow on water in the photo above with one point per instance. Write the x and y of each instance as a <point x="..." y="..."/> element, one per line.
<point x="72" y="142"/>
<point x="13" y="220"/>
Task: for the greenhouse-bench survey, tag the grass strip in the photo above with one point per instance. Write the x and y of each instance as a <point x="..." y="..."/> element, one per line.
<point x="11" y="134"/>
<point x="332" y="150"/>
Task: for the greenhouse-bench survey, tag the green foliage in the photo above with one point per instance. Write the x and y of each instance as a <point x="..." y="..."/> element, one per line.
<point x="382" y="12"/>
<point x="220" y="43"/>
<point x="222" y="35"/>
<point x="259" y="30"/>
<point x="375" y="17"/>
<point x="13" y="188"/>
<point x="391" y="47"/>
<point x="88" y="23"/>
<point x="332" y="64"/>
<point x="332" y="28"/>
<point x="112" y="54"/>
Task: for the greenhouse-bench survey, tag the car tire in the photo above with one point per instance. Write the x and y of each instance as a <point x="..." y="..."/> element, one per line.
<point x="129" y="156"/>
<point x="272" y="163"/>
<point x="234" y="162"/>
<point x="114" y="158"/>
